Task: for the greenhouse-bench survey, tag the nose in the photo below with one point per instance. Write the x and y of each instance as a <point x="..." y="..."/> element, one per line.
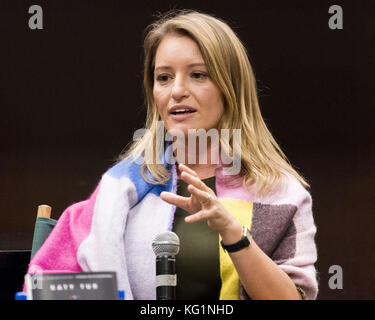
<point x="179" y="88"/>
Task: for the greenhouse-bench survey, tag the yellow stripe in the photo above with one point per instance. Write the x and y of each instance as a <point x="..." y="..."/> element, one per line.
<point x="243" y="212"/>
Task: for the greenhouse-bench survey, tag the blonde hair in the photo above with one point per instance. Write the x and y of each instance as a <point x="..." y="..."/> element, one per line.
<point x="228" y="65"/>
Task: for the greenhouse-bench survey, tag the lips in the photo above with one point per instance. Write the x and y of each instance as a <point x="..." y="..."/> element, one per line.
<point x="181" y="112"/>
<point x="181" y="109"/>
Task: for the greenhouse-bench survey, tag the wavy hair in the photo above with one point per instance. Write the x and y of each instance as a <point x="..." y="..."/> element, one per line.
<point x="228" y="65"/>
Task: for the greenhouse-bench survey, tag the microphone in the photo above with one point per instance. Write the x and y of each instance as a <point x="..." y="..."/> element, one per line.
<point x="166" y="245"/>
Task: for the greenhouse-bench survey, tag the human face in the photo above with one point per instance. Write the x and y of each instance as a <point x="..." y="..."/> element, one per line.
<point x="185" y="96"/>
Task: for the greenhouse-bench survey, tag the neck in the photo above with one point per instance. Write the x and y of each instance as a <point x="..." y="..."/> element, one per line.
<point x="203" y="171"/>
<point x="201" y="161"/>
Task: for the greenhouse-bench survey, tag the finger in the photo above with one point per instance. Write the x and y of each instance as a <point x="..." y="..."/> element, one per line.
<point x="199" y="216"/>
<point x="185" y="168"/>
<point x="175" y="200"/>
<point x="202" y="196"/>
<point x="195" y="181"/>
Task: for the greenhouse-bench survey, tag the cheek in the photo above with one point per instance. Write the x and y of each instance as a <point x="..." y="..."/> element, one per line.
<point x="160" y="100"/>
<point x="215" y="99"/>
<point x="161" y="94"/>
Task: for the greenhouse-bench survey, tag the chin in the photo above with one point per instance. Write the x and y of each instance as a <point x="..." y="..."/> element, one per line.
<point x="176" y="130"/>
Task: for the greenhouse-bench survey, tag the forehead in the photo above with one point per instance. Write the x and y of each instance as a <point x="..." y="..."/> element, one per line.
<point x="177" y="50"/>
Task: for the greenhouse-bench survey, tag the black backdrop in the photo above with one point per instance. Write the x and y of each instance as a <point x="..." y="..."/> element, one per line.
<point x="71" y="98"/>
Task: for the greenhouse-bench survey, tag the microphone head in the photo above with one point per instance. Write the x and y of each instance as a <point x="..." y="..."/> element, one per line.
<point x="166" y="243"/>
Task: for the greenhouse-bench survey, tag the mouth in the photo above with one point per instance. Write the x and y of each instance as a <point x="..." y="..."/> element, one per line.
<point x="181" y="110"/>
<point x="178" y="112"/>
<point x="181" y="113"/>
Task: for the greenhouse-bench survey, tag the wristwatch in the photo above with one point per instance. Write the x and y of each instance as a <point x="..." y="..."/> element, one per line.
<point x="243" y="243"/>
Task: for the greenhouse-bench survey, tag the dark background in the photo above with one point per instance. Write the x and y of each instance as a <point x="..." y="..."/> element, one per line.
<point x="71" y="99"/>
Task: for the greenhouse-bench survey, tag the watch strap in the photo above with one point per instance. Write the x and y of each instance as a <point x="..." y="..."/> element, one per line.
<point x="243" y="243"/>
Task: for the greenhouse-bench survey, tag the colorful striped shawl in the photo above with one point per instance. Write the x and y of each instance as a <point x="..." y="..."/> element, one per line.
<point x="114" y="228"/>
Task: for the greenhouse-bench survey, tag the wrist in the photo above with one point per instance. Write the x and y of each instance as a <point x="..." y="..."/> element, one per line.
<point x="232" y="234"/>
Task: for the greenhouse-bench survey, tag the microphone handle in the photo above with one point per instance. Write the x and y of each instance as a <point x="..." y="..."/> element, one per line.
<point x="166" y="277"/>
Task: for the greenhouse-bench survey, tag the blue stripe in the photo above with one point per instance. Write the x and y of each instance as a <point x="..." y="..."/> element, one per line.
<point x="132" y="171"/>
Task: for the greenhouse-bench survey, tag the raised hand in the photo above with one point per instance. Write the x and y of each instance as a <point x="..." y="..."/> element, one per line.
<point x="202" y="203"/>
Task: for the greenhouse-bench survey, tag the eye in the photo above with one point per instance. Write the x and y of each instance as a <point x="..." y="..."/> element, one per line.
<point x="162" y="78"/>
<point x="199" y="75"/>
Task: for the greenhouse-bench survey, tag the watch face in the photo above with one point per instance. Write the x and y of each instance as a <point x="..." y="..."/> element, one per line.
<point x="248" y="235"/>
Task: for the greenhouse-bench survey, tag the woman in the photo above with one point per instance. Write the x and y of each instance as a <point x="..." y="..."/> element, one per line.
<point x="197" y="76"/>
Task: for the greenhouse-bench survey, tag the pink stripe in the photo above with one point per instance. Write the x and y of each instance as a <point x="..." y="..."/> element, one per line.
<point x="228" y="186"/>
<point x="59" y="251"/>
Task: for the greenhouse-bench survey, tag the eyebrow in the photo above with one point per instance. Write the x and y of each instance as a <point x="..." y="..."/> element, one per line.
<point x="190" y="66"/>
